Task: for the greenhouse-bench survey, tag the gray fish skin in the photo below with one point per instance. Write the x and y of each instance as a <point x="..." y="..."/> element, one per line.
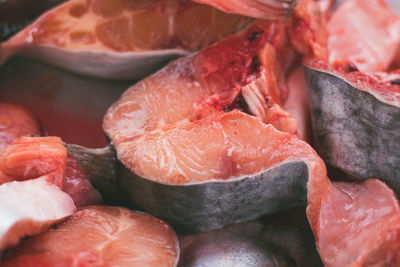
<point x="194" y="208"/>
<point x="353" y="130"/>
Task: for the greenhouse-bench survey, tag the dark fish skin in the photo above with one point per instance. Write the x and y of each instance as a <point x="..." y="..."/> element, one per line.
<point x="251" y="244"/>
<point x="202" y="207"/>
<point x="16" y="14"/>
<point x="353" y="130"/>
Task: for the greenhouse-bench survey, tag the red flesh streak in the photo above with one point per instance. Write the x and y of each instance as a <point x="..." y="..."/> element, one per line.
<point x="236" y="65"/>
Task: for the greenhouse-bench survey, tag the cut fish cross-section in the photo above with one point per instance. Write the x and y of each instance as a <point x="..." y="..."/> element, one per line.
<point x="206" y="141"/>
<point x="120" y="39"/>
<point x="100" y="236"/>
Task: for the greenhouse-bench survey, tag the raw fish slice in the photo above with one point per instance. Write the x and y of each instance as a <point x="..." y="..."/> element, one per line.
<point x="120" y="39"/>
<point x="358" y="224"/>
<point x="15" y="122"/>
<point x="200" y="88"/>
<point x="355" y="115"/>
<point x="30" y="207"/>
<point x="199" y="135"/>
<point x="365" y="33"/>
<point x="100" y="236"/>
<point x="274" y="166"/>
<point x="24" y="157"/>
<point x="33" y="157"/>
<point x="356" y="122"/>
<point x="354" y="224"/>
